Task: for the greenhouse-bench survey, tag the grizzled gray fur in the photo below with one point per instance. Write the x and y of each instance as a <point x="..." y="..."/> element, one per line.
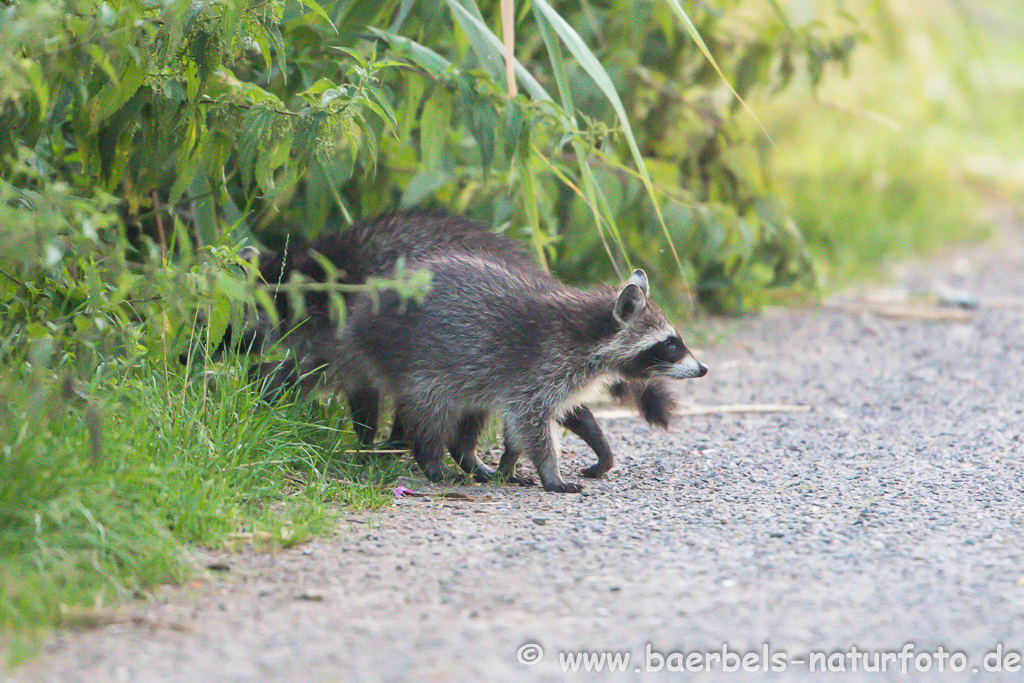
<point x="492" y="339"/>
<point x="372" y="249"/>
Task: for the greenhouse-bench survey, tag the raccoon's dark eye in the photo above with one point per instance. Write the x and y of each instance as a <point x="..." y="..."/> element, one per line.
<point x="665" y="352"/>
<point x="670" y="350"/>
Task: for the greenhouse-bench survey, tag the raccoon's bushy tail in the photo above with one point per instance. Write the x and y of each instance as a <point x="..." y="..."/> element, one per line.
<point x="653" y="398"/>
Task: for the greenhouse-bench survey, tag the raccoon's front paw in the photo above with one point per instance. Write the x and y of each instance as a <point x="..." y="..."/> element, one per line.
<point x="563" y="488"/>
<point x="483" y="474"/>
<point x="522" y="481"/>
<point x="514" y="477"/>
<point x="595" y="471"/>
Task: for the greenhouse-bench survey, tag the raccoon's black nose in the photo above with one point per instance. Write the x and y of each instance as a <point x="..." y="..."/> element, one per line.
<point x="703" y="369"/>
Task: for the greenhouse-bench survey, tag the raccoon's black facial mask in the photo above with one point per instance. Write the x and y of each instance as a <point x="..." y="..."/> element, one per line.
<point x="664" y="353"/>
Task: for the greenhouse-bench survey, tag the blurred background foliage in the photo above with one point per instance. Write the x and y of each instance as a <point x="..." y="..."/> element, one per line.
<point x="916" y="145"/>
<point x="142" y="141"/>
<point x="183" y="125"/>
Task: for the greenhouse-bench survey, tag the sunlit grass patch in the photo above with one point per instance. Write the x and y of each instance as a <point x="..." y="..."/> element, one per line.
<point x="181" y="461"/>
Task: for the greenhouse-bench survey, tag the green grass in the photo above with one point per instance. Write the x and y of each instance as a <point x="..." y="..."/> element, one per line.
<point x="878" y="217"/>
<point x="902" y="153"/>
<point x="181" y="463"/>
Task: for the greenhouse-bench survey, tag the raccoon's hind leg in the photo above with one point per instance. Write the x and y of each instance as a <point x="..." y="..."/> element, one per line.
<point x="397" y="438"/>
<point x="582" y="423"/>
<point x="463" y="447"/>
<point x="363" y="403"/>
<point x="507" y="466"/>
<point x="429" y="455"/>
<point x="532" y="434"/>
<point x="427" y="442"/>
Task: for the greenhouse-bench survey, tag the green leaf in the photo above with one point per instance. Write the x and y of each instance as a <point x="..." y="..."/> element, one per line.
<point x="401" y="14"/>
<point x="296" y="301"/>
<point x="306" y="131"/>
<point x="219" y="313"/>
<point x="355" y="15"/>
<point x="203" y="210"/>
<point x="415" y="86"/>
<point x="751" y="69"/>
<point x="261" y="38"/>
<point x="782" y="16"/>
<point x="264" y="170"/>
<point x="188" y="164"/>
<point x="435" y="123"/>
<point x="515" y="127"/>
<point x="483" y="122"/>
<point x="255" y="127"/>
<point x="433" y="63"/>
<point x="484" y="41"/>
<point x="313" y="93"/>
<point x="113" y="96"/>
<point x="34" y="71"/>
<point x="274" y="32"/>
<point x="319" y="11"/>
<point x="476" y="31"/>
<point x="378" y="104"/>
<point x="102" y="60"/>
<point x="423" y="185"/>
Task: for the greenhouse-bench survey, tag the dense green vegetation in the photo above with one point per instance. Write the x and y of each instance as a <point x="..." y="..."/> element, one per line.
<point x="140" y="143"/>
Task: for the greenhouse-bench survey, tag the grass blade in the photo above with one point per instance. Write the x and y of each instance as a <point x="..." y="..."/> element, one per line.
<point x="472" y="24"/>
<point x="593" y="67"/>
<point x="591" y="189"/>
<point x="488" y="41"/>
<point x="433" y="63"/>
<point x="695" y="35"/>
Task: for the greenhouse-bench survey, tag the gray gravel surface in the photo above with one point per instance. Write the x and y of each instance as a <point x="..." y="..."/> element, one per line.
<point x="888" y="518"/>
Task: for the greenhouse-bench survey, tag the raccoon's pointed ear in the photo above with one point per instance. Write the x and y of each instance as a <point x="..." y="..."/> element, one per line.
<point x="631" y="301"/>
<point x="639" y="278"/>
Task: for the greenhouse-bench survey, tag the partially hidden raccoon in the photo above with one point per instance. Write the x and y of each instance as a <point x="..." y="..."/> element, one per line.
<point x="373" y="249"/>
<point x="492" y="339"/>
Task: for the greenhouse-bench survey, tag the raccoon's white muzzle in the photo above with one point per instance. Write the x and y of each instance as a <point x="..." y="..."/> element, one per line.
<point x="687" y="368"/>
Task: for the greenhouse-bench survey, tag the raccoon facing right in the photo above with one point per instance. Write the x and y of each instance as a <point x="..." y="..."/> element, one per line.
<point x="372" y="249"/>
<point x="490" y="339"/>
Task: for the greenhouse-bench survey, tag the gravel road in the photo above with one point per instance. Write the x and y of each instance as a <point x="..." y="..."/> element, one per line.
<point x="886" y="519"/>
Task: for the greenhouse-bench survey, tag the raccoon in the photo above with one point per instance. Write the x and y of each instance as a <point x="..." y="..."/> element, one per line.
<point x="491" y="339"/>
<point x="372" y="249"/>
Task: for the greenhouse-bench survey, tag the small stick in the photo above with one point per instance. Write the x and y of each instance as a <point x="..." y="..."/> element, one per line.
<point x="1010" y="302"/>
<point x="375" y="450"/>
<point x="908" y="312"/>
<point x="716" y="409"/>
<point x="743" y="408"/>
